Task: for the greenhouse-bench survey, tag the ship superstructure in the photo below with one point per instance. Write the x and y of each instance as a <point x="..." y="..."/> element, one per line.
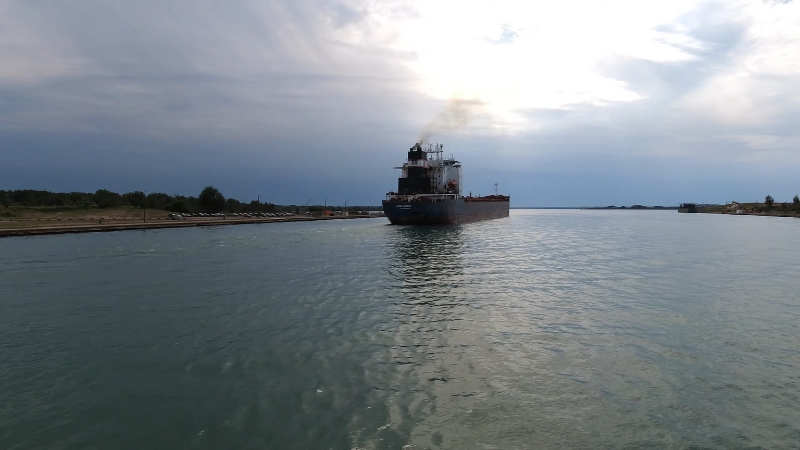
<point x="430" y="191"/>
<point x="428" y="172"/>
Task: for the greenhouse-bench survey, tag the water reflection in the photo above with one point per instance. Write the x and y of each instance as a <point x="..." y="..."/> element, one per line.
<point x="430" y="358"/>
<point x="428" y="262"/>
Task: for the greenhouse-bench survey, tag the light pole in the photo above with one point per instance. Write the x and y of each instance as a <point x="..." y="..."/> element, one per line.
<point x="345" y="203"/>
<point x="259" y="202"/>
<point x="144" y="208"/>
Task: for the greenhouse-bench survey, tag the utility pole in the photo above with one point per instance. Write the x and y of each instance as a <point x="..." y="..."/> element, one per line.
<point x="144" y="208"/>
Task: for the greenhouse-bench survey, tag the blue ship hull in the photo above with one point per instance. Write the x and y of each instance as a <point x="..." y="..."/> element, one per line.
<point x="443" y="212"/>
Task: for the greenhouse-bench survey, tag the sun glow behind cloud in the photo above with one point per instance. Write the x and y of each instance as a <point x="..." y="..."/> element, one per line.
<point x="514" y="56"/>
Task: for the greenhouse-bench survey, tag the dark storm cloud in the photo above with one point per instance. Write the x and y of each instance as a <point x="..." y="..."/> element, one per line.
<point x="155" y="64"/>
<point x="157" y="78"/>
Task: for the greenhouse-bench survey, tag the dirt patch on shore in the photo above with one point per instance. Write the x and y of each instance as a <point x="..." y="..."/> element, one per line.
<point x="41" y="227"/>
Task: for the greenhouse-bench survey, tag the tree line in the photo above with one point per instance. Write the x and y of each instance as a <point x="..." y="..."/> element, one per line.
<point x="769" y="202"/>
<point x="210" y="200"/>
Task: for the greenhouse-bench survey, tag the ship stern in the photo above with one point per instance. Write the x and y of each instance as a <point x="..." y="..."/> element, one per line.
<point x="419" y="213"/>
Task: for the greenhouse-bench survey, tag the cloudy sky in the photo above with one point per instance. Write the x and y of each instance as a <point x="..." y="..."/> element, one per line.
<point x="563" y="103"/>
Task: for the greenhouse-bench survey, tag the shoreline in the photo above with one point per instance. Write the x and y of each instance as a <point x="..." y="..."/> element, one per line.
<point x="108" y="227"/>
<point x="749" y="213"/>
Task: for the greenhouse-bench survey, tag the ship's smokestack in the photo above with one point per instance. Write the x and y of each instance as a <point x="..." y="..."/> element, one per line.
<point x="415" y="153"/>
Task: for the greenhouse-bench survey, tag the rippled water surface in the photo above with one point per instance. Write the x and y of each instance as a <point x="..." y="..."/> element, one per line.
<point x="548" y="329"/>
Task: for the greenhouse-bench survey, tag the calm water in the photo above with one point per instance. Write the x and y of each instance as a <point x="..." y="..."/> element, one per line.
<point x="549" y="329"/>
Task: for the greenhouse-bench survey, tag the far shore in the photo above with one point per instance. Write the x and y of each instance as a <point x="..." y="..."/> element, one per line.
<point x="11" y="228"/>
<point x="750" y="209"/>
<point x="776" y="213"/>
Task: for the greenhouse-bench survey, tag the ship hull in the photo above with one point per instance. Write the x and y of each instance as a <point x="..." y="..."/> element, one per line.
<point x="443" y="212"/>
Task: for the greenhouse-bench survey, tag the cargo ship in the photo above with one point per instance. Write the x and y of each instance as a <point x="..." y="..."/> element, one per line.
<point x="429" y="192"/>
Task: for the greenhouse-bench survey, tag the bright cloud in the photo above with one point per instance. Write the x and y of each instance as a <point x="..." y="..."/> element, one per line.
<point x="514" y="55"/>
<point x="761" y="83"/>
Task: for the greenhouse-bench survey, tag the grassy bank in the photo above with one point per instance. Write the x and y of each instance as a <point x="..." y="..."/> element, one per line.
<point x="5" y="213"/>
<point x="754" y="209"/>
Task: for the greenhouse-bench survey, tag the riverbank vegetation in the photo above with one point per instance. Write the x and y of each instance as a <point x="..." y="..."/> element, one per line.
<point x="768" y="207"/>
<point x="210" y="200"/>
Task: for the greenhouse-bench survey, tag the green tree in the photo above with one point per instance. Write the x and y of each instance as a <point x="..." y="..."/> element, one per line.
<point x="232" y="205"/>
<point x="178" y="206"/>
<point x="769" y="201"/>
<point x="105" y="199"/>
<point x="211" y="200"/>
<point x="135" y="198"/>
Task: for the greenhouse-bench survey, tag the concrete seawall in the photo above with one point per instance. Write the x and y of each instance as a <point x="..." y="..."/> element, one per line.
<point x="97" y="228"/>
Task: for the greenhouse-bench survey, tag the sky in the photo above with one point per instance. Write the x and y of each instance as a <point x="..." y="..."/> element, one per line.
<point x="568" y="103"/>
